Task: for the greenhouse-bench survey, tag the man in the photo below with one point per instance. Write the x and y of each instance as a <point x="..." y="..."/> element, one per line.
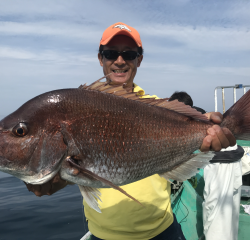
<point x="121" y="53"/>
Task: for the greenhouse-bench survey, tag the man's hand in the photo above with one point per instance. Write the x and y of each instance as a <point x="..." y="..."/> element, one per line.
<point x="217" y="137"/>
<point x="48" y="188"/>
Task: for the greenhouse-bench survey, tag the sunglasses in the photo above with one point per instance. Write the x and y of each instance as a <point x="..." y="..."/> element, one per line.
<point x="126" y="55"/>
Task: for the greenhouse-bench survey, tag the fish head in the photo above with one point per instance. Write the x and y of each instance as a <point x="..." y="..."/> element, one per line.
<point x="31" y="144"/>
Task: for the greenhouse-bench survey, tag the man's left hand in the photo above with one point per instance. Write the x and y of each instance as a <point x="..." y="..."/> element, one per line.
<point x="217" y="137"/>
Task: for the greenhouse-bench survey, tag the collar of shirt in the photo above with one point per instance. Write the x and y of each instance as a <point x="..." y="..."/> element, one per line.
<point x="141" y="92"/>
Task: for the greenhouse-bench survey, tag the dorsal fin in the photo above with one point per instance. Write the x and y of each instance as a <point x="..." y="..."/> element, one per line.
<point x="96" y="83"/>
<point x="121" y="91"/>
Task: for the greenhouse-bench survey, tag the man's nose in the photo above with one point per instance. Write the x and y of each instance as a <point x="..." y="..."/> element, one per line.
<point x="120" y="60"/>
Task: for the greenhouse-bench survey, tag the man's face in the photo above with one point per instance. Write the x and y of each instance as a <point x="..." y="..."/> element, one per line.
<point x="123" y="71"/>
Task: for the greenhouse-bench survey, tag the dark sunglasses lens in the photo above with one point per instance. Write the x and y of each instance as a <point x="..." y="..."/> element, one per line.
<point x="129" y="55"/>
<point x="110" y="54"/>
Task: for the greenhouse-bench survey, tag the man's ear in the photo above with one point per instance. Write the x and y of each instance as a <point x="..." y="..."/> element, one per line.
<point x="139" y="59"/>
<point x="100" y="59"/>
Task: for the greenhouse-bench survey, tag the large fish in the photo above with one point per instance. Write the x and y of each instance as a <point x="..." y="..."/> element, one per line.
<point x="102" y="136"/>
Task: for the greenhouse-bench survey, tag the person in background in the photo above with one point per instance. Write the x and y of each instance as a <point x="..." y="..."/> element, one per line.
<point x="120" y="54"/>
<point x="185" y="98"/>
<point x="222" y="192"/>
<point x="223" y="180"/>
<point x="182" y="97"/>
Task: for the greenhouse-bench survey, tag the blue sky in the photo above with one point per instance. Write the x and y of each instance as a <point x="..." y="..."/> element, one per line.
<point x="190" y="46"/>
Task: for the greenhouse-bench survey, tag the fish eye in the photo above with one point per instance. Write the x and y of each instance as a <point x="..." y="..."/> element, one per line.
<point x="20" y="130"/>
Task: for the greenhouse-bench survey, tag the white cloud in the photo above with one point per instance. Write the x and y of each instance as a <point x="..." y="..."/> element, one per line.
<point x="50" y="28"/>
<point x="34" y="8"/>
<point x="237" y="71"/>
<point x="188" y="69"/>
<point x="201" y="38"/>
<point x="47" y="45"/>
<point x="46" y="56"/>
<point x="6" y="52"/>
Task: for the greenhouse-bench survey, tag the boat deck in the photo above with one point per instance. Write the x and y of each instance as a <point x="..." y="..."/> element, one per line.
<point x="187" y="206"/>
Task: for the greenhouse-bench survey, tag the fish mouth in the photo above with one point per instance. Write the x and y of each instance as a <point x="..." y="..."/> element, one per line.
<point x="5" y="165"/>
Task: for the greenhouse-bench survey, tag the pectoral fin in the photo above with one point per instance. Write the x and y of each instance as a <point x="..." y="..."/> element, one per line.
<point x="91" y="195"/>
<point x="88" y="192"/>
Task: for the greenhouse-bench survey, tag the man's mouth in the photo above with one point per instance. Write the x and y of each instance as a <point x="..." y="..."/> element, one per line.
<point x="119" y="71"/>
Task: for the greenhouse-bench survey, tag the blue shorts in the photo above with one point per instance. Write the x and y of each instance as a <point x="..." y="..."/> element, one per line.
<point x="173" y="232"/>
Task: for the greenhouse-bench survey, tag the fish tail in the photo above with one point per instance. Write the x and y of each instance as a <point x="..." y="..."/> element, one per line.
<point x="237" y="118"/>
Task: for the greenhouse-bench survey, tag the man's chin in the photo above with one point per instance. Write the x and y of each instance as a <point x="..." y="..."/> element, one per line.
<point x="118" y="81"/>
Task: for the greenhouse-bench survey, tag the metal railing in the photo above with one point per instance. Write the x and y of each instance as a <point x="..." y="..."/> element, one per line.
<point x="237" y="86"/>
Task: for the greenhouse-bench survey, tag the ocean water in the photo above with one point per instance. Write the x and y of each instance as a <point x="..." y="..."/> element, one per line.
<point x="26" y="216"/>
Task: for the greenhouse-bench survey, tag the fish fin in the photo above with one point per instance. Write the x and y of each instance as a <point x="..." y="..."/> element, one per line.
<point x="237" y="118"/>
<point x="181" y="108"/>
<point x="83" y="86"/>
<point x="188" y="169"/>
<point x="150" y="101"/>
<point x="169" y="180"/>
<point x="91" y="195"/>
<point x="105" y="181"/>
<point x="157" y="102"/>
<point x="174" y="105"/>
<point x="111" y="89"/>
<point x="95" y="84"/>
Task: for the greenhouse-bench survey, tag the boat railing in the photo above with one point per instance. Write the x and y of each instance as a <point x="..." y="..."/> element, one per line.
<point x="237" y="86"/>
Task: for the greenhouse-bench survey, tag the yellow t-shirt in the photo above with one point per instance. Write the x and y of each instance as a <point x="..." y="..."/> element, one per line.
<point x="122" y="218"/>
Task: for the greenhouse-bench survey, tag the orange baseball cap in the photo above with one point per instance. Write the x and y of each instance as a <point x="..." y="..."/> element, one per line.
<point x="120" y="29"/>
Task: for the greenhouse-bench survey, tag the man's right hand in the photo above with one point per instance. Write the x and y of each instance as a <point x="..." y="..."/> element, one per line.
<point x="48" y="188"/>
<point x="217" y="137"/>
